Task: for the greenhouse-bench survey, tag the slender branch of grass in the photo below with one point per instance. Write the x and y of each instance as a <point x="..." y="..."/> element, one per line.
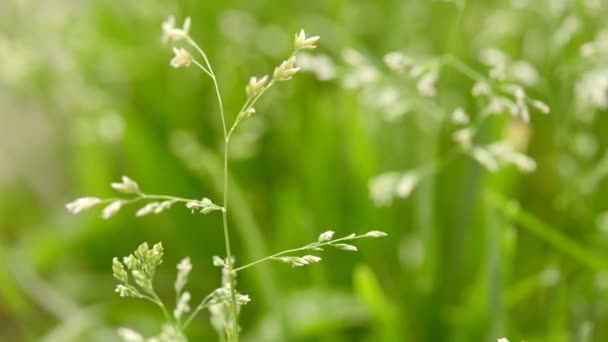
<point x="251" y="101"/>
<point x="235" y="329"/>
<point x="201" y="67"/>
<point x="227" y="134"/>
<point x="142" y="196"/>
<point x="248" y="104"/>
<point x="203" y="305"/>
<point x="160" y="303"/>
<point x="310" y="246"/>
<point x="209" y="71"/>
<point x="545" y="232"/>
<point x="152" y="299"/>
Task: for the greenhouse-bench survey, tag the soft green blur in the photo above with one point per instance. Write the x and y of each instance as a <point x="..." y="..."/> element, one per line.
<point x="87" y="95"/>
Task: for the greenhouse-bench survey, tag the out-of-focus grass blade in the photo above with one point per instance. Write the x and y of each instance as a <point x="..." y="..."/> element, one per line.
<point x="11" y="298"/>
<point x="546" y="233"/>
<point x="368" y="290"/>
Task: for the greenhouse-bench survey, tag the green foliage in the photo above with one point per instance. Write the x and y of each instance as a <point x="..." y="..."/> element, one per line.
<point x="87" y="95"/>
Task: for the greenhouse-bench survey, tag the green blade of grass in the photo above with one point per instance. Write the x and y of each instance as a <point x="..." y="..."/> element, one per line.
<point x="541" y="230"/>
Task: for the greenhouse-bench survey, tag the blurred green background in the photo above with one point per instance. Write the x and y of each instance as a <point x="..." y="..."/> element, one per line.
<point x="87" y="95"/>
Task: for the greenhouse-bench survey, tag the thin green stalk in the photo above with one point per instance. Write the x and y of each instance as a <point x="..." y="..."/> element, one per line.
<point x="209" y="69"/>
<point x="189" y="151"/>
<point x="229" y="262"/>
<point x="202" y="67"/>
<point x="160" y="303"/>
<point x="227" y="134"/>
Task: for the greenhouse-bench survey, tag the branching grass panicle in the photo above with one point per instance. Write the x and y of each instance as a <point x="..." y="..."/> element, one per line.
<point x="135" y="272"/>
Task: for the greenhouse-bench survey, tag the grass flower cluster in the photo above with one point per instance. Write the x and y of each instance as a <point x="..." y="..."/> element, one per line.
<point x="136" y="271"/>
<point x="501" y="91"/>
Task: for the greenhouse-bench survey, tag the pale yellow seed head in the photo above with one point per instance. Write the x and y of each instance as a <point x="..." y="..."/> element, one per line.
<point x="182" y="58"/>
<point x="301" y="42"/>
<point x="286" y="70"/>
<point x="255" y="86"/>
<point x="171" y="33"/>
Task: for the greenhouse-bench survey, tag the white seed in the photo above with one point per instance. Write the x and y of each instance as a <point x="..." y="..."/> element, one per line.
<point x="129" y="335"/>
<point x="326" y="236"/>
<point x="311" y="258"/>
<point x="111" y="209"/>
<point x="147" y="209"/>
<point x="82" y="204"/>
<point x="345" y="247"/>
<point x="375" y="234"/>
